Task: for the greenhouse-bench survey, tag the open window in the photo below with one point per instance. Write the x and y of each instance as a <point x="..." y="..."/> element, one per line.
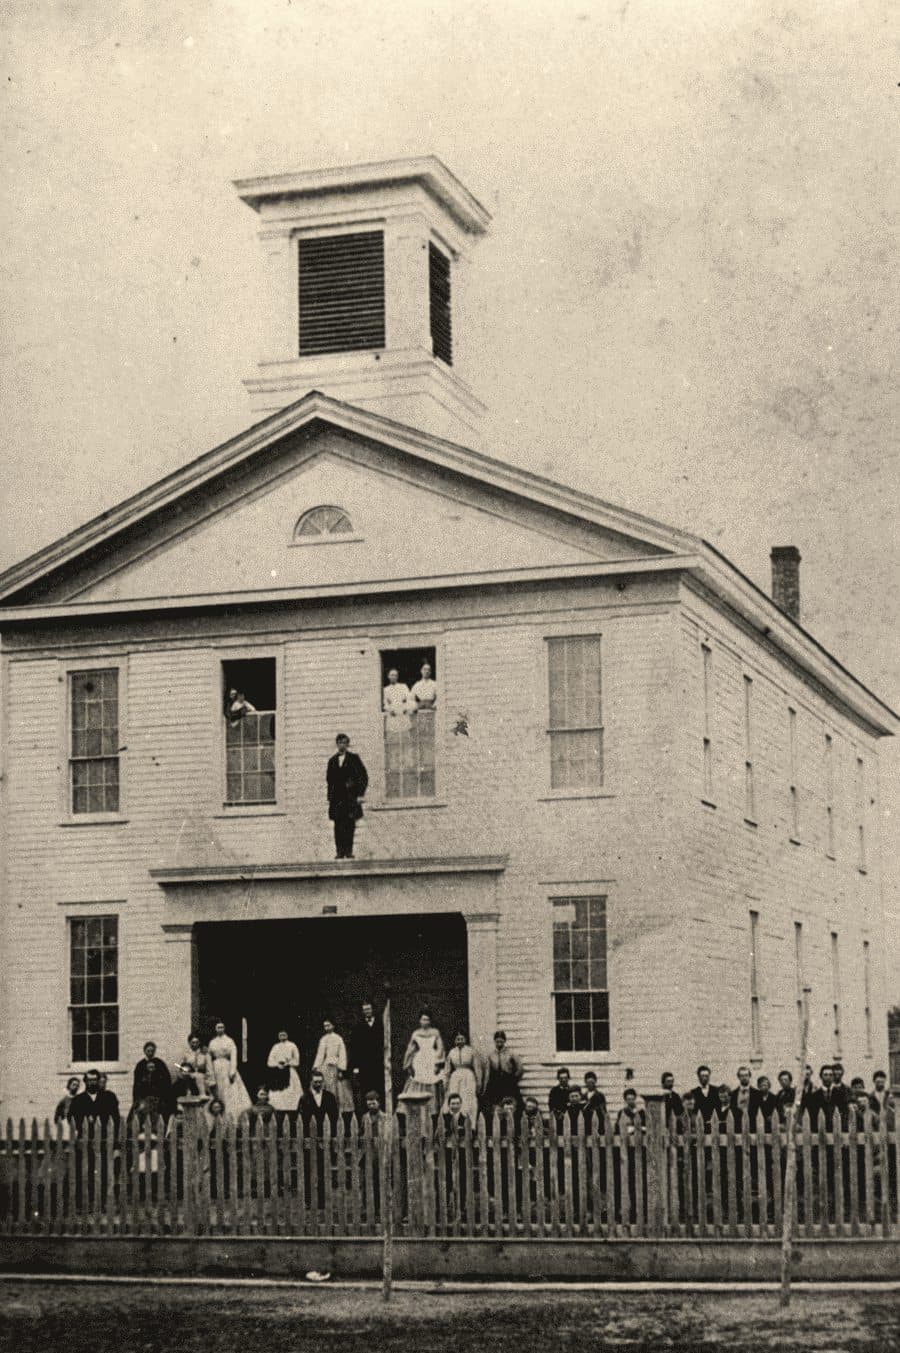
<point x="409" y="697"/>
<point x="249" y="704"/>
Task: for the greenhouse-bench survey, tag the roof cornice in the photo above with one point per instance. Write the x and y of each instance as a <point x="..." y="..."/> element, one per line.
<point x="428" y="170"/>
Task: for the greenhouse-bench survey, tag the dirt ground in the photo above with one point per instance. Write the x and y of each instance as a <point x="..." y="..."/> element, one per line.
<point x="106" y="1318"/>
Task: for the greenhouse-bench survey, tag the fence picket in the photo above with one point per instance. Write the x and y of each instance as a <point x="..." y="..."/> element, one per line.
<point x="870" y="1174"/>
<point x="764" y="1158"/>
<point x="747" y="1172"/>
<point x="467" y="1184"/>
<point x="825" y="1156"/>
<point x="809" y="1178"/>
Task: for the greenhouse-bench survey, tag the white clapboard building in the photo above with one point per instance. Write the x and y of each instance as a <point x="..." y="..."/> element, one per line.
<point x="640" y="817"/>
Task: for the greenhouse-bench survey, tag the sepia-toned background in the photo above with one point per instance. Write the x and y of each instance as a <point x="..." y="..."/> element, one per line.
<point x="688" y="304"/>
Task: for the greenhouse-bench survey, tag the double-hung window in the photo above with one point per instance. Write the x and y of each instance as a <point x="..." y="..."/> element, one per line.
<point x="94" y="988"/>
<point x="409" y="711"/>
<point x="580" y="983"/>
<point x="249" y="693"/>
<point x="94" y="741"/>
<point x="576" y="725"/>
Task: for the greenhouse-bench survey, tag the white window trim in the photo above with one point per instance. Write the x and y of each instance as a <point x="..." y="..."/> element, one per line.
<point x="66" y="817"/>
<point x="548" y="1054"/>
<point x="376" y="798"/>
<point x="218" y="806"/>
<point x="546" y="792"/>
<point x="75" y="911"/>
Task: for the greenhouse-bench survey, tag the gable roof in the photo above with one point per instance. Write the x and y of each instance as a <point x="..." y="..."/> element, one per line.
<point x="316" y="407"/>
<point x="665" y="547"/>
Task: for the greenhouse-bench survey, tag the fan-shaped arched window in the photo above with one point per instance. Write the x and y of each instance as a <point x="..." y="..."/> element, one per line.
<point x="323" y="521"/>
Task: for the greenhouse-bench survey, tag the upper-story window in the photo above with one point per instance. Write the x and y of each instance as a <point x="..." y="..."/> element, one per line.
<point x="249" y="692"/>
<point x="576" y="724"/>
<point x="341" y="286"/>
<point x="94" y="740"/>
<point x="409" y="697"/>
<point x="324" y="520"/>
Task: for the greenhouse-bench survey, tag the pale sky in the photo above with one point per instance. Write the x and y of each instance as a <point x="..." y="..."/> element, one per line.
<point x="687" y="305"/>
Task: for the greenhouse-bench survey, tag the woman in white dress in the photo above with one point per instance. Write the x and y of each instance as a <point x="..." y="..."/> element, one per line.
<point x="464" y="1076"/>
<point x="331" y="1060"/>
<point x="424" y="1061"/>
<point x="285" y="1056"/>
<point x="229" y="1088"/>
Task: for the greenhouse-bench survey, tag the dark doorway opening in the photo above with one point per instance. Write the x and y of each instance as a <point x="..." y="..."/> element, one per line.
<point x="262" y="976"/>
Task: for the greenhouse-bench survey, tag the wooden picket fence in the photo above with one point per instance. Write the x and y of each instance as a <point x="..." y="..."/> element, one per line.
<point x="500" y="1179"/>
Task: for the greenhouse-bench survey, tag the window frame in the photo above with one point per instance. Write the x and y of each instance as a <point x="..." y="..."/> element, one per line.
<point x="377" y="799"/>
<point x="89" y="911"/>
<point x="351" y="537"/>
<point x="547" y="791"/>
<point x="575" y="891"/>
<point x="221" y="808"/>
<point x="68" y="669"/>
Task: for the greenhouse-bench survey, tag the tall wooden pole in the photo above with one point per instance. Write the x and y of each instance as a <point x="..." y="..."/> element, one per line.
<point x="387" y="1163"/>
<point x="790" y="1167"/>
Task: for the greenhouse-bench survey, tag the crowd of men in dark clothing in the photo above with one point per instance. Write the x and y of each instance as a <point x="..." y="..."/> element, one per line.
<point x="713" y="1104"/>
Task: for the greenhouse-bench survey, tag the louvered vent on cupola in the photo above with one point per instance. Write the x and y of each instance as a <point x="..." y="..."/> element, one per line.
<point x="341" y="292"/>
<point x="439" y="303"/>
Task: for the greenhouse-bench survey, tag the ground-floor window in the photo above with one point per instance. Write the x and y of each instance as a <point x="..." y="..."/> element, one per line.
<point x="580" y="989"/>
<point x="94" y="988"/>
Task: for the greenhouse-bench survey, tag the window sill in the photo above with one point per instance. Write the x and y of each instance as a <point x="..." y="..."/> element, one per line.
<point x="390" y="805"/>
<point x="861" y="870"/>
<point x="708" y="803"/>
<point x="750" y="822"/>
<point x="95" y="820"/>
<point x="254" y="810"/>
<point x="795" y="841"/>
<point x="108" y="1068"/>
<point x="584" y="1059"/>
<point x="562" y="795"/>
<point x="830" y="856"/>
<point x="337" y="539"/>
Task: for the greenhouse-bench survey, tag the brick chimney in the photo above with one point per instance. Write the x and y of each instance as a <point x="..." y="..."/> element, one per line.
<point x="786" y="579"/>
<point x="363" y="265"/>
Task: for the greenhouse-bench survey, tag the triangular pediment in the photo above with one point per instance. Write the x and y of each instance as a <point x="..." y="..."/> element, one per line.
<point x="417" y="509"/>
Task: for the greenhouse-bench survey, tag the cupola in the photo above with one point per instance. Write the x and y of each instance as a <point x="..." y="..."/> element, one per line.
<point x="362" y="267"/>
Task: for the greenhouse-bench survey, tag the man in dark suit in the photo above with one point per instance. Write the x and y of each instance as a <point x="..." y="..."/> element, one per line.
<point x="767" y="1103"/>
<point x="152" y="1089"/>
<point x="454" y="1118"/>
<point x="94" y="1105"/>
<point x="347" y="780"/>
<point x="673" y="1107"/>
<point x="558" y="1099"/>
<point x="594" y="1103"/>
<point x="824" y="1100"/>
<point x="705" y="1096"/>
<point x="744" y="1100"/>
<point x="841" y="1092"/>
<point x="367" y="1054"/>
<point x="318" y="1105"/>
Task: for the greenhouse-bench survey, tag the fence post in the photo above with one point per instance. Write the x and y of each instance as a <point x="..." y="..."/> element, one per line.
<point x="194" y="1161"/>
<point x="656" y="1168"/>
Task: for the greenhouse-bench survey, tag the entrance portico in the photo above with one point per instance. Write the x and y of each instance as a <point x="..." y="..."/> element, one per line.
<point x="278" y="944"/>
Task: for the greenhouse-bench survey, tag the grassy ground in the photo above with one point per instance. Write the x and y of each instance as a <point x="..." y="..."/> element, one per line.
<point x="36" y="1318"/>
